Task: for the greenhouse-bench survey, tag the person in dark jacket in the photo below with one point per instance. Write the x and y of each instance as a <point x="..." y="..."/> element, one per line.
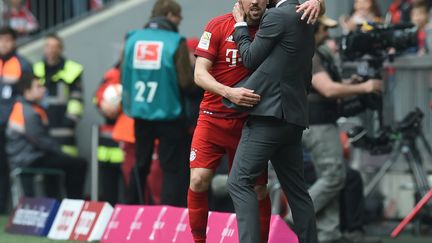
<point x="11" y="66"/>
<point x="110" y="155"/>
<point x="28" y="143"/>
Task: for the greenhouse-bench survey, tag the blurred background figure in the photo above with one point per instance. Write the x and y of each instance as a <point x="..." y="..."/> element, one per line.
<point x="19" y="18"/>
<point x="64" y="97"/>
<point x="157" y="106"/>
<point x="62" y="77"/>
<point x="420" y="18"/>
<point x="29" y="144"/>
<point x="362" y="11"/>
<point x="399" y="11"/>
<point x="96" y="4"/>
<point x="110" y="155"/>
<point x="12" y="65"/>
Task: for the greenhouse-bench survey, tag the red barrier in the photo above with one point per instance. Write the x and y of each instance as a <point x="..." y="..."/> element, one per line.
<point x="412" y="214"/>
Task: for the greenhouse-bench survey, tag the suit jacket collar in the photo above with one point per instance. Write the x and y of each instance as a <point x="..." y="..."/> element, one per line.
<point x="285" y="2"/>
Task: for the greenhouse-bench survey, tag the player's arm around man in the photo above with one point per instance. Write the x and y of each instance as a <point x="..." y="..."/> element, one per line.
<point x="200" y="178"/>
<point x="218" y="69"/>
<point x="239" y="96"/>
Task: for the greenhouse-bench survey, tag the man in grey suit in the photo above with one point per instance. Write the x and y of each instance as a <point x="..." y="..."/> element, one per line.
<point x="281" y="58"/>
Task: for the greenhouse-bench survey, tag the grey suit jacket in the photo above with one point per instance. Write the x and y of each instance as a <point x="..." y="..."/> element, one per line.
<point x="281" y="58"/>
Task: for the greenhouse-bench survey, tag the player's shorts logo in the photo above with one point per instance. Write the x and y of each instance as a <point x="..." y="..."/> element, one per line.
<point x="148" y="54"/>
<point x="193" y="155"/>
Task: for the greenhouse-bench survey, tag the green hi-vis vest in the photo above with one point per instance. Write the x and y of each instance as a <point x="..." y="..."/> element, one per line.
<point x="149" y="76"/>
<point x="70" y="72"/>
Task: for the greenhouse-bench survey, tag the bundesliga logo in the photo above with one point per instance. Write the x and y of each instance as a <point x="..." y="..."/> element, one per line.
<point x="148" y="55"/>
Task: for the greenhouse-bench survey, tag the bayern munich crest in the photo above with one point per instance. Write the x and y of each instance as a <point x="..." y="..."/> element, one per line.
<point x="192" y="155"/>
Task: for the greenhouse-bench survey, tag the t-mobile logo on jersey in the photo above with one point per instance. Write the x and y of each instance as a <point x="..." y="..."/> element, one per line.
<point x="232" y="57"/>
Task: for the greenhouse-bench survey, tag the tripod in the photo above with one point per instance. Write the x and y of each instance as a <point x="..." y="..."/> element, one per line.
<point x="405" y="137"/>
<point x="407" y="146"/>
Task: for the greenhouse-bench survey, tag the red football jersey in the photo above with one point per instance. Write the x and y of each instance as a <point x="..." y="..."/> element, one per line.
<point x="217" y="45"/>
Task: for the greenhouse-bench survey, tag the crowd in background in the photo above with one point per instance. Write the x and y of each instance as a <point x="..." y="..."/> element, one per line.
<point x="28" y="17"/>
<point x="417" y="12"/>
<point x="31" y="16"/>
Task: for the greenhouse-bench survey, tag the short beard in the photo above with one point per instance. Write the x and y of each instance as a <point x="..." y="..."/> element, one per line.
<point x="253" y="22"/>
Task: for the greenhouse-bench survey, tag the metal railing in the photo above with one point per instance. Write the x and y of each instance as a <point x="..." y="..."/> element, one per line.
<point x="53" y="14"/>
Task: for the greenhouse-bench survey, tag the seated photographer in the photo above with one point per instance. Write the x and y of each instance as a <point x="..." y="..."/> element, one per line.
<point x="28" y="143"/>
<point x="322" y="137"/>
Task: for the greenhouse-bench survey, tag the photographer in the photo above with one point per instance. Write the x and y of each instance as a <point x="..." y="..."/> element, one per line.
<point x="322" y="138"/>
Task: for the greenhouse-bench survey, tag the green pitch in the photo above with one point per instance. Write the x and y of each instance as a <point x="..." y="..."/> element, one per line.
<point x="9" y="238"/>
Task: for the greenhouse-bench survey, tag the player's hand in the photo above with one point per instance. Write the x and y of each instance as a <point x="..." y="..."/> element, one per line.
<point x="373" y="86"/>
<point x="310" y="9"/>
<point x="238" y="12"/>
<point x="243" y="97"/>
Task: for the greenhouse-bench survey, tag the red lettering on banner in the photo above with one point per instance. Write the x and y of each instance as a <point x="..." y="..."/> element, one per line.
<point x="65" y="220"/>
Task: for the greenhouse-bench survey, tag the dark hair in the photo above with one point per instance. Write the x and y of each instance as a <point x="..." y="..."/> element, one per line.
<point x="6" y="30"/>
<point x="162" y="7"/>
<point x="25" y="82"/>
<point x="56" y="37"/>
<point x="420" y="5"/>
<point x="374" y="8"/>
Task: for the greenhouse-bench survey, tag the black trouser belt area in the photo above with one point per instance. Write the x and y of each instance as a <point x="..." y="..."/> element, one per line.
<point x="322" y="114"/>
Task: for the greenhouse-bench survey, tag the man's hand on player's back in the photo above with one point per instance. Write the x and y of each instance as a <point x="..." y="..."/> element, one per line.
<point x="311" y="9"/>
